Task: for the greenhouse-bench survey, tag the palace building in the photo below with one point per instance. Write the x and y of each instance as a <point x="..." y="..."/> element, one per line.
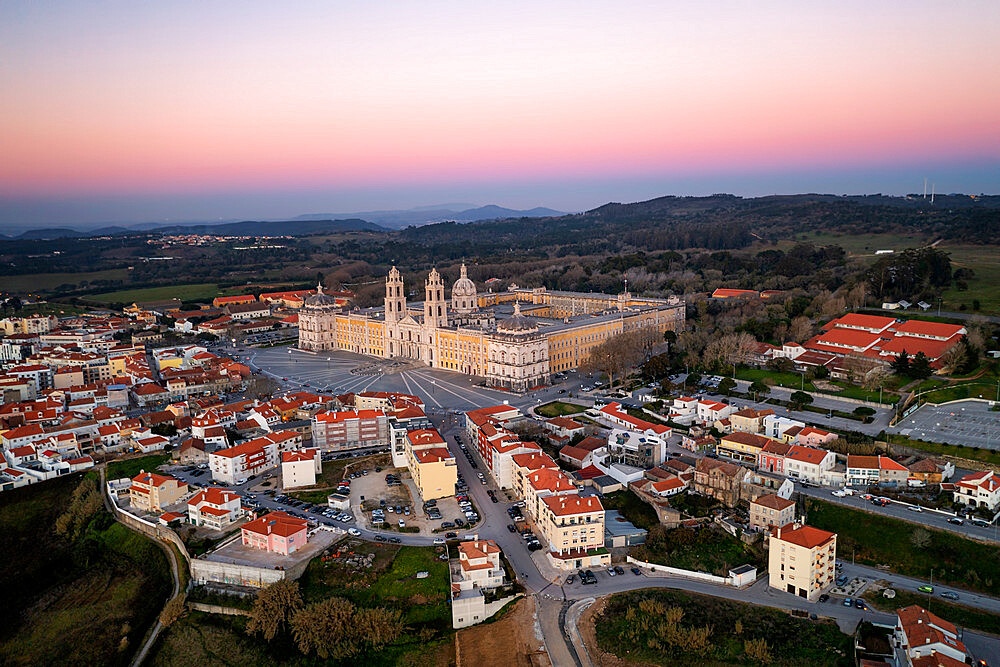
<point x="516" y="339"/>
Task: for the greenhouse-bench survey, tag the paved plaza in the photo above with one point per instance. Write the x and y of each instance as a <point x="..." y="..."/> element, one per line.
<point x="970" y="423"/>
<point x="341" y="372"/>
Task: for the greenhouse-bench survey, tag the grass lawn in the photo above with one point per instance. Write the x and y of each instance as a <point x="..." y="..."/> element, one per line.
<point x="703" y="549"/>
<point x="131" y="467"/>
<point x="46" y="282"/>
<point x="862" y="394"/>
<point x="559" y="409"/>
<point x="775" y="378"/>
<point x="639" y="513"/>
<point x="879" y="540"/>
<point x="51" y="308"/>
<point x="636" y="626"/>
<point x="87" y="600"/>
<point x="959" y="614"/>
<point x="985" y="261"/>
<point x="954" y="392"/>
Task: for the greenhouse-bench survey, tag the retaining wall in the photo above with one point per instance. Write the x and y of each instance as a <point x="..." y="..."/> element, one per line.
<point x="677" y="572"/>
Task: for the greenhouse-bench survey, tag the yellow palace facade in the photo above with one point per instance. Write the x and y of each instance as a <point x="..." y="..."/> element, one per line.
<point x="515" y="339"/>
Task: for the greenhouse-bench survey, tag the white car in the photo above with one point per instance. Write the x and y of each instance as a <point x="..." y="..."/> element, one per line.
<point x="839" y="493"/>
<point x="439" y="540"/>
<point x="354" y="531"/>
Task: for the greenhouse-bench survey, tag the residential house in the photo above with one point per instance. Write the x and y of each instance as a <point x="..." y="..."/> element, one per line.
<point x="431" y="463"/>
<point x="875" y="470"/>
<point x="573" y="526"/>
<point x="742" y="446"/>
<point x="749" y="420"/>
<point x="709" y="412"/>
<point x="563" y="427"/>
<point x="815" y="437"/>
<point x="276" y="532"/>
<point x="635" y="449"/>
<point x="476" y="570"/>
<point x="920" y="635"/>
<point x="931" y="471"/>
<point x="350" y="429"/>
<point x="771" y="457"/>
<point x="300" y="467"/>
<point x="801" y="560"/>
<point x="809" y="464"/>
<point x="215" y="508"/>
<point x="770" y="511"/>
<point x="979" y="489"/>
<point x="237" y="464"/>
<point x="151" y="492"/>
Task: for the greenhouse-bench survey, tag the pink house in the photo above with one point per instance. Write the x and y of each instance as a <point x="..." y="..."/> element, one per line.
<point x="815" y="437"/>
<point x="276" y="532"/>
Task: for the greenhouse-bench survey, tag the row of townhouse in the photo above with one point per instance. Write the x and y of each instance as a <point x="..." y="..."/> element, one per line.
<point x="237" y="464"/>
<point x="572" y="525"/>
<point x="44" y="459"/>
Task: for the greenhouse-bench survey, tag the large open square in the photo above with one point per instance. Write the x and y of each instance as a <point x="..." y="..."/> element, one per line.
<point x="969" y="423"/>
<point x="342" y="372"/>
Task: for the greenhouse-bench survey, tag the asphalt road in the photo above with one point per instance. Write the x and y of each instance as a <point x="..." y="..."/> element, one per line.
<point x="900" y="511"/>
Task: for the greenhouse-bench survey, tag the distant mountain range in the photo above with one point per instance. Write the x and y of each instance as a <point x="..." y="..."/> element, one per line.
<point x="311" y="223"/>
<point x="424" y="215"/>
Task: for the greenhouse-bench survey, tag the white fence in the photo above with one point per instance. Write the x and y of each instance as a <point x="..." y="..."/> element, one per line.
<point x="677" y="572"/>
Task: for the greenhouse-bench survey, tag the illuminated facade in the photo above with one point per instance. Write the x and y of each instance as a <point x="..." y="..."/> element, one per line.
<point x="515" y="339"/>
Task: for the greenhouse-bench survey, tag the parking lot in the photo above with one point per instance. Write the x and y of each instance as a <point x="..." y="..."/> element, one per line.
<point x="970" y="423"/>
<point x="390" y="496"/>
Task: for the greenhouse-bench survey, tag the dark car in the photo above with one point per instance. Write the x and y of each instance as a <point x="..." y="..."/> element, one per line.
<point x="824" y="597"/>
<point x="570" y="579"/>
<point x="511" y="528"/>
<point x="955" y="520"/>
<point x="619" y="570"/>
<point x="636" y="571"/>
<point x="451" y="535"/>
<point x="860" y="604"/>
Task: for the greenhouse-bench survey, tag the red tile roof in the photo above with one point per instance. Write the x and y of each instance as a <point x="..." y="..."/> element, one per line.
<point x="774" y="502"/>
<point x="803" y="536"/>
<point x="571" y="504"/>
<point x="276" y="523"/>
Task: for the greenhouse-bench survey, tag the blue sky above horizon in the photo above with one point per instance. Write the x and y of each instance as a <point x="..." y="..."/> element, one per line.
<point x="117" y="113"/>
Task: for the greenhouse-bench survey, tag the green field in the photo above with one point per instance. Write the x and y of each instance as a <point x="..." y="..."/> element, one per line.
<point x="46" y="282"/>
<point x="985" y="261"/>
<point x="954" y="560"/>
<point x="195" y="292"/>
<point x="82" y="599"/>
<point x="958" y="391"/>
<point x="856" y="245"/>
<point x="559" y="409"/>
<point x="774" y="378"/>
<point x="131" y="467"/>
<point x="643" y="626"/>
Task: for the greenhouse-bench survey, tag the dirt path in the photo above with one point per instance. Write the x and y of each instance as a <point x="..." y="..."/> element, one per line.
<point x="510" y="641"/>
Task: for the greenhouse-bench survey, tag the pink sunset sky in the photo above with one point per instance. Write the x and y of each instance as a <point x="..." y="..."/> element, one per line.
<point x="149" y="111"/>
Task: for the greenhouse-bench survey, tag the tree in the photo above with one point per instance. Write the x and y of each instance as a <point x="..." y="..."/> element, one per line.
<point x="377" y="627"/>
<point x="669" y="337"/>
<point x="800" y="399"/>
<point x="326" y="628"/>
<point x="920" y="367"/>
<point x="727" y="385"/>
<point x="759" y="388"/>
<point x="901" y="364"/>
<point x="172" y="611"/>
<point x="274" y="608"/>
<point x="920" y="538"/>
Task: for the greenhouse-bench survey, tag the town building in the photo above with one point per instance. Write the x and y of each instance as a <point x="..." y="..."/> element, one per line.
<point x="770" y="511"/>
<point x="809" y="464"/>
<point x="350" y="429"/>
<point x="635" y="449"/>
<point x="928" y="640"/>
<point x="432" y="465"/>
<point x="978" y="489"/>
<point x="474" y="333"/>
<point x="276" y="532"/>
<point x="477" y="570"/>
<point x="742" y="446"/>
<point x="573" y="526"/>
<point x="719" y="480"/>
<point x="801" y="560"/>
<point x="151" y="492"/>
<point x="214" y="508"/>
<point x="237" y="464"/>
<point x="300" y="467"/>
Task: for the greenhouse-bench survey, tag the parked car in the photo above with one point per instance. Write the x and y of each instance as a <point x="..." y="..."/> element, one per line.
<point x="848" y="602"/>
<point x="438" y="540"/>
<point x="619" y="570"/>
<point x="955" y="520"/>
<point x="354" y="531"/>
<point x="451" y="535"/>
<point x="636" y="571"/>
<point x="824" y="597"/>
<point x="570" y="579"/>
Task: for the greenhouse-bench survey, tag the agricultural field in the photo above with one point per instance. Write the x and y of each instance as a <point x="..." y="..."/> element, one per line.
<point x="196" y="292"/>
<point x="46" y="282"/>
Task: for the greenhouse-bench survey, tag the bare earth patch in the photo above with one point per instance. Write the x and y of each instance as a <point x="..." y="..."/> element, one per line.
<point x="510" y="641"/>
